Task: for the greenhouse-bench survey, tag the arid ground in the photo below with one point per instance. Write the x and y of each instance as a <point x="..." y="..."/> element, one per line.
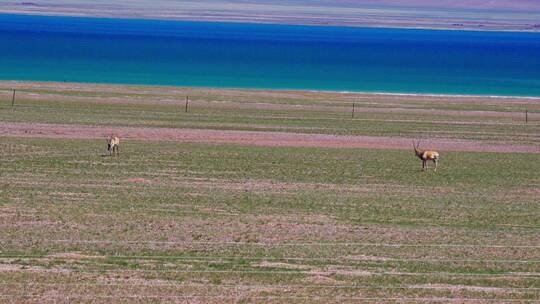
<point x="500" y="15"/>
<point x="252" y="196"/>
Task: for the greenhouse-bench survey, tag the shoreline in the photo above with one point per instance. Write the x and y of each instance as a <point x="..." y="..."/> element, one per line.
<point x="433" y="95"/>
<point x="56" y="83"/>
<point x="284" y="20"/>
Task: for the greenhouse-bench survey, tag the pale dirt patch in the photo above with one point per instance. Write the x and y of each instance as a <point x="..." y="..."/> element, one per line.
<point x="533" y="191"/>
<point x="74" y="256"/>
<point x="320" y="279"/>
<point x="210" y="210"/>
<point x="43" y="224"/>
<point x="362" y="257"/>
<point x="47" y="184"/>
<point x="138" y="180"/>
<point x="34" y="269"/>
<point x="82" y="162"/>
<point x="249" y="138"/>
<point x="462" y="288"/>
<point x="71" y="195"/>
<point x="193" y="194"/>
<point x="12" y="210"/>
<point x="346" y="271"/>
<point x="267" y="264"/>
<point x="517" y="226"/>
<point x="136" y="279"/>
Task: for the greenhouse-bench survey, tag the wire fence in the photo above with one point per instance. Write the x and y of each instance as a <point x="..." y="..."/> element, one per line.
<point x="305" y="298"/>
<point x="287" y="272"/>
<point x="247" y="258"/>
<point x="279" y="286"/>
<point x="261" y="244"/>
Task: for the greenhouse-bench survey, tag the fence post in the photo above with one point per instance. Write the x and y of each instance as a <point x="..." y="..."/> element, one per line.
<point x="13" y="98"/>
<point x="526" y="116"/>
<point x="353" y="109"/>
<point x="187" y="101"/>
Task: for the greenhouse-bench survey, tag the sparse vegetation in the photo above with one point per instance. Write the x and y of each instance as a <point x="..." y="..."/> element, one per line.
<point x="229" y="223"/>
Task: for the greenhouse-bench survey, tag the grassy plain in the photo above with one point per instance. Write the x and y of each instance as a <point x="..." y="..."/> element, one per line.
<point x="206" y="222"/>
<point x="496" y="120"/>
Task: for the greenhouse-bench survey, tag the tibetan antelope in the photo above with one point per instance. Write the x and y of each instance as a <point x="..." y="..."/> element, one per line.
<point x="426" y="155"/>
<point x="112" y="144"/>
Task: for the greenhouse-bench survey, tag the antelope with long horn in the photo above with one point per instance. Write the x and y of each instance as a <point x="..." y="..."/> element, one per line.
<point x="426" y="155"/>
<point x="112" y="144"/>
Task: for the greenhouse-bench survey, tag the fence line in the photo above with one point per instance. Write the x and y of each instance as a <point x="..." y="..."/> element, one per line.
<point x="347" y="258"/>
<point x="289" y="272"/>
<point x="54" y="109"/>
<point x="359" y="244"/>
<point x="239" y="286"/>
<point x="312" y="298"/>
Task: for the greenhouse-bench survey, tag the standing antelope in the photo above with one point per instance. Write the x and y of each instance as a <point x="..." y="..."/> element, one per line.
<point x="426" y="155"/>
<point x="112" y="144"/>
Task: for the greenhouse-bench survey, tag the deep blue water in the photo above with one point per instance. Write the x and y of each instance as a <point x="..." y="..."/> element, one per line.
<point x="204" y="54"/>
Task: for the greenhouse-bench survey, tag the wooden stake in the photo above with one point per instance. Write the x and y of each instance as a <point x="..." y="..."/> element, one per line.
<point x="526" y="116"/>
<point x="13" y="99"/>
<point x="353" y="109"/>
<point x="187" y="101"/>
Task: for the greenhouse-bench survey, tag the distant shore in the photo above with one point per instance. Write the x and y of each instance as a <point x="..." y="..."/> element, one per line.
<point x="388" y="24"/>
<point x="16" y="84"/>
<point x="358" y="15"/>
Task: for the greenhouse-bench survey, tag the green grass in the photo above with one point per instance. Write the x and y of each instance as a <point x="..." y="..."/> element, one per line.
<point x="326" y="114"/>
<point x="337" y="102"/>
<point x="170" y="219"/>
<point x="198" y="194"/>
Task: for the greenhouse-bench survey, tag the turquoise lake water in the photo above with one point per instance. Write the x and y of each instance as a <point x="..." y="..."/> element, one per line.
<point x="232" y="55"/>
